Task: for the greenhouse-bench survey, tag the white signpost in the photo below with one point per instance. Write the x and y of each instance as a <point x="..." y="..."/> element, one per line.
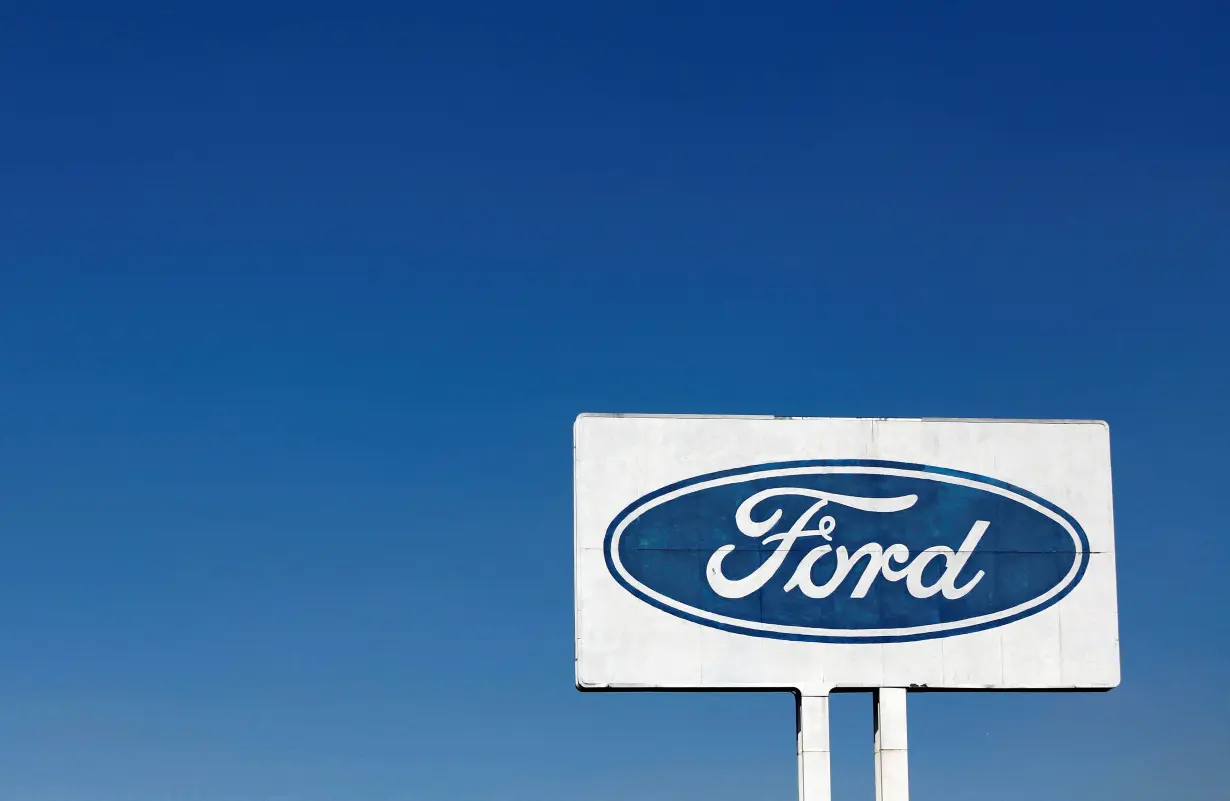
<point x="816" y="555"/>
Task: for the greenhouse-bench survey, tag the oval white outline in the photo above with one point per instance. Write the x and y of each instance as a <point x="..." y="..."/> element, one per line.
<point x="777" y="628"/>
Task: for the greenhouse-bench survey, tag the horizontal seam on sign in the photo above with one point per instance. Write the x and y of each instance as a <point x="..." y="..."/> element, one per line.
<point x="771" y="550"/>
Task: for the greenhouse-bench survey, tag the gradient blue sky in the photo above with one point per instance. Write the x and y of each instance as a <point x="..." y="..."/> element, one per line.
<point x="298" y="302"/>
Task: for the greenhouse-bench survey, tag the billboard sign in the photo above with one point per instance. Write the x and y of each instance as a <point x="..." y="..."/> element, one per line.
<point x="819" y="554"/>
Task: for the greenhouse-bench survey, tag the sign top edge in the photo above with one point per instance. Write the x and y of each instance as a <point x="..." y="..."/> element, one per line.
<point x="1055" y="421"/>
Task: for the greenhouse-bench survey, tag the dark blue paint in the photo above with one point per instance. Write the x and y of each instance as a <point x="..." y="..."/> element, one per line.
<point x="1024" y="552"/>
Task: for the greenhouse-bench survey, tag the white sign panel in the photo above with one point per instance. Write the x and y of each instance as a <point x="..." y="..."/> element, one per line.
<point x="820" y="554"/>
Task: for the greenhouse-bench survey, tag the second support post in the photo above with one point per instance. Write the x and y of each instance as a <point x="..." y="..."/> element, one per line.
<point x="892" y="751"/>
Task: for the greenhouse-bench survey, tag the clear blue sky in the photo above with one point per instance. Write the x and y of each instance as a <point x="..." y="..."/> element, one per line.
<point x="298" y="302"/>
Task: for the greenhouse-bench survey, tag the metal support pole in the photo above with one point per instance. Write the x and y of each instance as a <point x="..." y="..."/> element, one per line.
<point x="813" y="730"/>
<point x="892" y="752"/>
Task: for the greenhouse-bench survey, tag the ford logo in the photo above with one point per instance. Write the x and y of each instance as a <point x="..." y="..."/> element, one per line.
<point x="851" y="551"/>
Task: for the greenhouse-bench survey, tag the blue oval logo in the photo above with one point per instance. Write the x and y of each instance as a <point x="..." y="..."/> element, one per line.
<point x="846" y="551"/>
